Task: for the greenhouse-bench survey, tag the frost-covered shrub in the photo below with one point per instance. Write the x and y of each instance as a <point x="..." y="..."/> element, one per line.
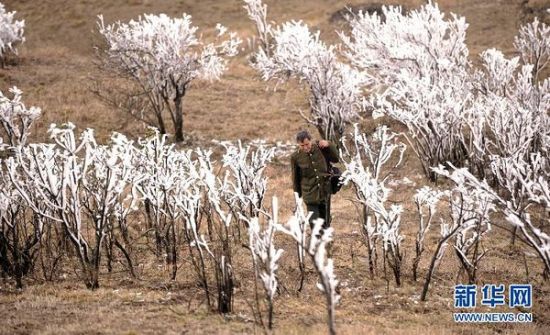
<point x="161" y="56"/>
<point x="527" y="184"/>
<point x="11" y="32"/>
<point x="292" y="50"/>
<point x="50" y="178"/>
<point x="533" y="43"/>
<point x="469" y="221"/>
<point x="248" y="184"/>
<point x="20" y="234"/>
<point x="418" y="63"/>
<point x="368" y="167"/>
<point x="164" y="176"/>
<point x="511" y="109"/>
<point x="315" y="245"/>
<point x="426" y="200"/>
<point x="16" y="119"/>
<point x="265" y="256"/>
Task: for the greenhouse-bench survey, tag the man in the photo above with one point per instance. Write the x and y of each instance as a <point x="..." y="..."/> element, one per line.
<point x="310" y="176"/>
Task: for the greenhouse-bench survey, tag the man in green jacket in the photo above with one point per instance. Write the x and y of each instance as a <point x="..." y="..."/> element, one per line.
<point x="310" y="176"/>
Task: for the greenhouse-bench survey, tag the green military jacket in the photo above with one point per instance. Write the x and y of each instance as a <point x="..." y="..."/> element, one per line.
<point x="310" y="173"/>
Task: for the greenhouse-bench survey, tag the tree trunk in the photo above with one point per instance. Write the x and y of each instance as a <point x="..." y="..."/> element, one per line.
<point x="432" y="263"/>
<point x="178" y="118"/>
<point x="160" y="122"/>
<point x="416" y="261"/>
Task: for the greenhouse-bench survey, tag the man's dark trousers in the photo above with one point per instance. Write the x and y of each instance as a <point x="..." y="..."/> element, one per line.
<point x="320" y="211"/>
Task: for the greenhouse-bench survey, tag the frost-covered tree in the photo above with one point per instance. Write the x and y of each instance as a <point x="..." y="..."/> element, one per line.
<point x="511" y="107"/>
<point x="52" y="174"/>
<point x="265" y="257"/>
<point x="533" y="43"/>
<point x="527" y="183"/>
<point x="165" y="177"/>
<point x="389" y="225"/>
<point x="102" y="189"/>
<point x="17" y="240"/>
<point x="16" y="120"/>
<point x="248" y="183"/>
<point x="316" y="247"/>
<point x="418" y="63"/>
<point x="426" y="200"/>
<point x="455" y="113"/>
<point x="20" y="233"/>
<point x="291" y="50"/>
<point x="468" y="246"/>
<point x="510" y="120"/>
<point x="368" y="167"/>
<point x="11" y="33"/>
<point x="469" y="221"/>
<point x="219" y="220"/>
<point x="161" y="56"/>
<point x="190" y="205"/>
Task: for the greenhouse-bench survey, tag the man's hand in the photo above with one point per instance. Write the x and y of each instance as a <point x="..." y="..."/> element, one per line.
<point x="323" y="144"/>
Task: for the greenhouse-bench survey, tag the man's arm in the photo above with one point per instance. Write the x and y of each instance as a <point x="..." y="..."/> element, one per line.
<point x="295" y="176"/>
<point x="329" y="150"/>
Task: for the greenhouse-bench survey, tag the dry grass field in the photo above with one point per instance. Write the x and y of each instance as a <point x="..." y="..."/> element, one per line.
<point x="54" y="70"/>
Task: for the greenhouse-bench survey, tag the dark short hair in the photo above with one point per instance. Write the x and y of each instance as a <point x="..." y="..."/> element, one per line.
<point x="302" y="136"/>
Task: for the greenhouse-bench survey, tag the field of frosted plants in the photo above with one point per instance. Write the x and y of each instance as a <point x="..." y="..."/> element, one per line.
<point x="152" y="193"/>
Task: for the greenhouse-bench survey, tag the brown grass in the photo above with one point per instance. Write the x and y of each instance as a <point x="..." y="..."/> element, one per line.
<point x="53" y="71"/>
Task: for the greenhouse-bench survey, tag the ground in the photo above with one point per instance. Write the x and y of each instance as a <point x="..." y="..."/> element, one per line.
<point x="54" y="69"/>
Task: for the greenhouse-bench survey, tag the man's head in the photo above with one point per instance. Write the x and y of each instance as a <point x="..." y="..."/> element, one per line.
<point x="303" y="138"/>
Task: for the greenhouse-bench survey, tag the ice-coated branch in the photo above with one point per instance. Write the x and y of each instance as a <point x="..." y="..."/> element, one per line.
<point x="257" y="12"/>
<point x="533" y="43"/>
<point x="426" y="200"/>
<point x="16" y="119"/>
